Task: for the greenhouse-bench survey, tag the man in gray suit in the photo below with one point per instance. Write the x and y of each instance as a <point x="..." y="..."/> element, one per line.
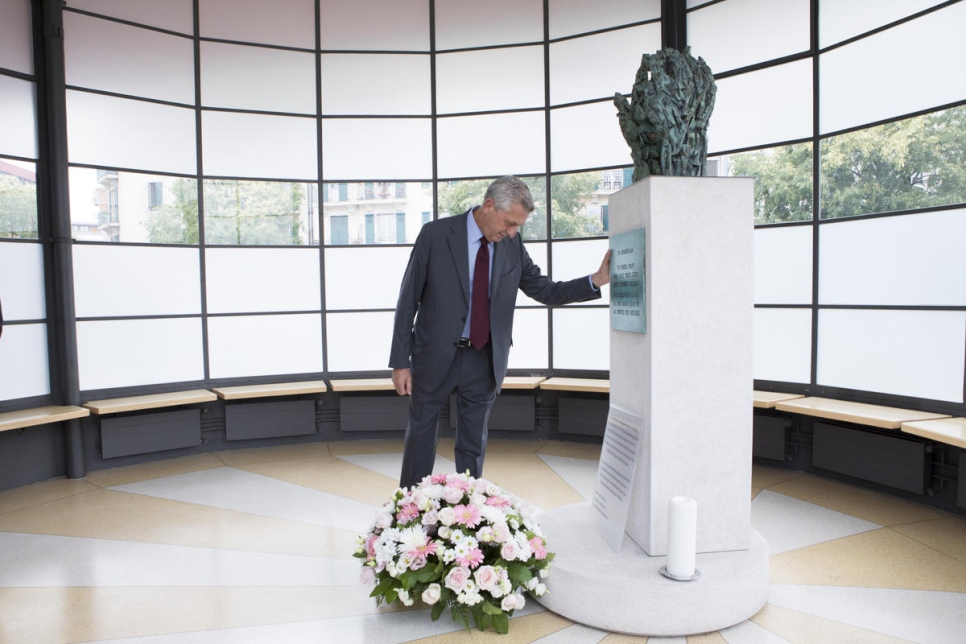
<point x="448" y="337"/>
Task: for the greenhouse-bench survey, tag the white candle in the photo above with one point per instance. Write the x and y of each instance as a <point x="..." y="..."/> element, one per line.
<point x="682" y="536"/>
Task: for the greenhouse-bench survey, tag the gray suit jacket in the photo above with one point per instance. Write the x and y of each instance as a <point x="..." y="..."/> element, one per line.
<point x="434" y="298"/>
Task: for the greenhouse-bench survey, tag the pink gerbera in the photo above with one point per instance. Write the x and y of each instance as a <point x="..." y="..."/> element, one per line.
<point x="407" y="513"/>
<point x="471" y="559"/>
<point x="498" y="502"/>
<point x="539" y="548"/>
<point x="468" y="515"/>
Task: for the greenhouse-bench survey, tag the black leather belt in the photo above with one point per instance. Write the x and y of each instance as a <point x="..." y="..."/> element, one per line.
<point x="464" y="343"/>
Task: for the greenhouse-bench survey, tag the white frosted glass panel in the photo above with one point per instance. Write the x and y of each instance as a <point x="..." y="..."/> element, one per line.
<point x="598" y="66"/>
<point x="26" y="347"/>
<point x="129" y="353"/>
<point x="281" y="22"/>
<point x="530" y="332"/>
<point x="756" y="31"/>
<point x="758" y="108"/>
<point x="359" y="341"/>
<point x="364" y="278"/>
<point x="16" y="43"/>
<point x="581" y="338"/>
<point x="469" y="23"/>
<point x="903" y="353"/>
<point x="18" y="117"/>
<point x="579" y="259"/>
<point x="491" y="79"/>
<point x="904" y="260"/>
<point x="135" y="280"/>
<point x="257" y="78"/>
<point x="176" y="15"/>
<point x="264" y="345"/>
<point x="857" y="88"/>
<point x="375" y="25"/>
<point x="783" y="265"/>
<point x="586" y="136"/>
<point x="783" y="345"/>
<point x="842" y="19"/>
<point x="538" y="253"/>
<point x="249" y="280"/>
<point x="107" y="55"/>
<point x="568" y="17"/>
<point x="22" y="281"/>
<point x="491" y="144"/>
<point x="259" y="146"/>
<point x="124" y="133"/>
<point x="403" y="81"/>
<point x="377" y="149"/>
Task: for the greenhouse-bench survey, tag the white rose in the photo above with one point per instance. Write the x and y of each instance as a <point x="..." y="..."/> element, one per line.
<point x="446" y="516"/>
<point x="452" y="495"/>
<point x="540" y="590"/>
<point x="509" y="602"/>
<point x="532" y="583"/>
<point x="432" y="594"/>
<point x="383" y="520"/>
<point x="404" y="597"/>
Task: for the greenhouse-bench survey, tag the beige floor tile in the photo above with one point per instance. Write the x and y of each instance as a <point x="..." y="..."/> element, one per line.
<point x="948" y="536"/>
<point x="333" y="475"/>
<point x="512" y="446"/>
<point x="274" y="454"/>
<point x="802" y="628"/>
<point x="343" y="448"/>
<point x="523" y="630"/>
<point x="531" y="479"/>
<point x="589" y="451"/>
<point x="618" y="638"/>
<point x="878" y="559"/>
<point x="155" y="470"/>
<point x="856" y="501"/>
<point x="763" y="476"/>
<point x="41" y="493"/>
<point x="107" y="514"/>
<point x="707" y="638"/>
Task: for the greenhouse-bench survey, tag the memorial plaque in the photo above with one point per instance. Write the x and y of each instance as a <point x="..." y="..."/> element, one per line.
<point x="627" y="294"/>
<point x="615" y="475"/>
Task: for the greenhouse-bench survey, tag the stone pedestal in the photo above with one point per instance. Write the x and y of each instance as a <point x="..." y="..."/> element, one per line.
<point x="689" y="377"/>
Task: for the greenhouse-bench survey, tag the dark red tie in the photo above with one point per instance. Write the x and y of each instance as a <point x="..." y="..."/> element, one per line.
<point x="480" y="318"/>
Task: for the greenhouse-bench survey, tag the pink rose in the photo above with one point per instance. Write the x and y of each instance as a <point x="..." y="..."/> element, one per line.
<point x="367" y="575"/>
<point x="456" y="578"/>
<point x="486" y="577"/>
<point x="452" y="495"/>
<point x="509" y="550"/>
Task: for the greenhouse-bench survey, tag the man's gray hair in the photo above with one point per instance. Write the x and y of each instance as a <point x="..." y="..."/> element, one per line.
<point x="509" y="190"/>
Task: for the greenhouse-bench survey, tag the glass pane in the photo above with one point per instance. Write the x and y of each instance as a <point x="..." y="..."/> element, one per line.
<point x="783" y="345"/>
<point x="580" y="202"/>
<point x="858" y="88"/>
<point x="530" y="346"/>
<point x="568" y="17"/>
<point x="578" y="259"/>
<point x="116" y="206"/>
<point x="581" y="338"/>
<point x="119" y="132"/>
<point x="378" y="212"/>
<point x="403" y="81"/>
<point x="916" y="163"/>
<point x="107" y="55"/>
<point x="16" y="36"/>
<point x="18" y="117"/>
<point x="175" y="15"/>
<point x="456" y="197"/>
<point x="598" y="66"/>
<point x="913" y="260"/>
<point x="473" y="146"/>
<point x="359" y="341"/>
<point x="491" y="79"/>
<point x="250" y="280"/>
<point x="903" y="353"/>
<point x="116" y="281"/>
<point x="401" y="25"/>
<point x="18" y="199"/>
<point x="264" y="345"/>
<point x="737" y="33"/>
<point x="22" y="281"/>
<point x="842" y="19"/>
<point x="763" y="107"/>
<point x="257" y="78"/>
<point x="260" y="146"/>
<point x="364" y="278"/>
<point x="538" y="255"/>
<point x="377" y="148"/>
<point x="281" y="22"/>
<point x="467" y="23"/>
<point x="586" y="136"/>
<point x="783" y="180"/>
<point x="783" y="265"/>
<point x="131" y="353"/>
<point x="24" y="346"/>
<point x="262" y="213"/>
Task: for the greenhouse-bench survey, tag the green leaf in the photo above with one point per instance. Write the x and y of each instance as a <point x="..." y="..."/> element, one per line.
<point x="437" y="610"/>
<point x="382" y="587"/>
<point x="425" y="575"/>
<point x="491" y="609"/>
<point x="408" y="579"/>
<point x="501" y="623"/>
<point x="519" y="573"/>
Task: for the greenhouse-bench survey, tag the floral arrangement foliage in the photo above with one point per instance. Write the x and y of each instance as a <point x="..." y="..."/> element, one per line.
<point x="456" y="542"/>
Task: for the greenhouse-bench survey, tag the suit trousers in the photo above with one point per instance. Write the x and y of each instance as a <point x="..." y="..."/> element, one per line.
<point x="470" y="377"/>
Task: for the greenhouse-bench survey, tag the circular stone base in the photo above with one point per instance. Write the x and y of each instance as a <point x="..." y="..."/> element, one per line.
<point x="625" y="593"/>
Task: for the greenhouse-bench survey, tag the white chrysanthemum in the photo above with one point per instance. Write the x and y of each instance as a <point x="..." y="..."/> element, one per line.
<point x="492" y="515"/>
<point x="412" y="538"/>
<point x="448" y="556"/>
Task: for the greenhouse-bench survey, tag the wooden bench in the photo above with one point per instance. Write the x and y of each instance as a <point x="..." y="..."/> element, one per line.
<point x="853" y="412"/>
<point x="150" y="401"/>
<point x="951" y="431"/>
<point x="271" y="390"/>
<point x="768" y="399"/>
<point x="24" y="418"/>
<point x="385" y="384"/>
<point x="589" y="385"/>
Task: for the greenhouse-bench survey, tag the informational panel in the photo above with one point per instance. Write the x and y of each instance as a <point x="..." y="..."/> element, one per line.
<point x="627" y="296"/>
<point x="615" y="475"/>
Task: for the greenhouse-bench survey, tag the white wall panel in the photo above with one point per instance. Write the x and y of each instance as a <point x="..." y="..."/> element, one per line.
<point x="468" y="23"/>
<point x="174" y="15"/>
<point x="260" y="146"/>
<point x="401" y="25"/>
<point x="16" y="41"/>
<point x="257" y="78"/>
<point x="22" y="281"/>
<point x="364" y="278"/>
<point x="377" y="149"/>
<point x="491" y="144"/>
<point x="586" y="136"/>
<point x="264" y="345"/>
<point x="574" y="259"/>
<point x="568" y="17"/>
<point x="581" y="338"/>
<point x="491" y="79"/>
<point x="25" y="347"/>
<point x="530" y="346"/>
<point x="783" y="345"/>
<point x="783" y="265"/>
<point x="403" y="81"/>
<point x="18" y="117"/>
<point x="250" y="280"/>
<point x="290" y="23"/>
<point x="842" y="19"/>
<point x="359" y="341"/>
